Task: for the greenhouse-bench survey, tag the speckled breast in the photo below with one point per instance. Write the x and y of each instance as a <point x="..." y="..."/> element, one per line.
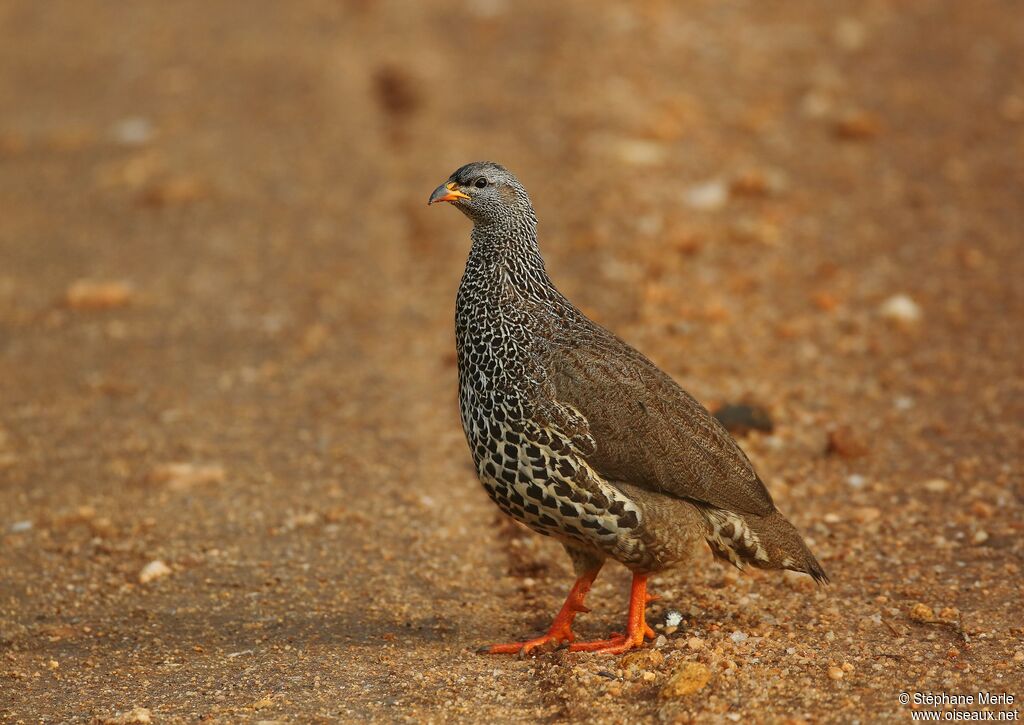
<point x="530" y="470"/>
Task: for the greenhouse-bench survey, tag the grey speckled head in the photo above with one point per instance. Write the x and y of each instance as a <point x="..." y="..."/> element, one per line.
<point x="486" y="192"/>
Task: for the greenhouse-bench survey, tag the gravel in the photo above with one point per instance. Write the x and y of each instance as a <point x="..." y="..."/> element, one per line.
<point x="226" y="345"/>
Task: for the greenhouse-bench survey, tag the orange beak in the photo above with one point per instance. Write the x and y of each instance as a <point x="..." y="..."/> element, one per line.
<point x="446" y="192"/>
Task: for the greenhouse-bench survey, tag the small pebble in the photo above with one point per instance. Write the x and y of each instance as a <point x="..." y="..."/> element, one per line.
<point x="641" y="152"/>
<point x="688" y="678"/>
<point x="844" y="442"/>
<point x="182" y="476"/>
<point x="738" y="637"/>
<point x="133" y="131"/>
<point x="21" y="526"/>
<point x="93" y="295"/>
<point x="857" y="126"/>
<point x="695" y="643"/>
<point x="900" y="308"/>
<point x="396" y="91"/>
<point x="835" y="673"/>
<point x="937" y="485"/>
<point x="177" y="190"/>
<point x="135" y="716"/>
<point x="922" y="613"/>
<point x="866" y="514"/>
<point x="740" y="419"/>
<point x="153" y="570"/>
<point x="757" y="183"/>
<point x="982" y="510"/>
<point x="903" y="403"/>
<point x="707" y="196"/>
<point x="642" y="659"/>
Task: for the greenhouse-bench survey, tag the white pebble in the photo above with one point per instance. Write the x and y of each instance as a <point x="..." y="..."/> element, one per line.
<point x="855" y="480"/>
<point x="135" y="716"/>
<point x="903" y="402"/>
<point x="900" y="308"/>
<point x="19" y="526"/>
<point x="640" y="152"/>
<point x="153" y="570"/>
<point x="738" y="636"/>
<point x="937" y="485"/>
<point x="133" y="131"/>
<point x="709" y="195"/>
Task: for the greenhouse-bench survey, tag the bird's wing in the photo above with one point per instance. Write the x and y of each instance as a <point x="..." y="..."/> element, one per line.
<point x="650" y="432"/>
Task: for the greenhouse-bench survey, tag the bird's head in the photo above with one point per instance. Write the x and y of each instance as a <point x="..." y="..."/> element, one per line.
<point x="485" y="192"/>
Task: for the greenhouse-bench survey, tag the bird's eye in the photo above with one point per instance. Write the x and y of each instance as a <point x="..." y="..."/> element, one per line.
<point x="480" y="183"/>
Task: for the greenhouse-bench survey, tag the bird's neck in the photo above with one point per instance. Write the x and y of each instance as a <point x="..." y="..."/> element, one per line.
<point x="509" y="248"/>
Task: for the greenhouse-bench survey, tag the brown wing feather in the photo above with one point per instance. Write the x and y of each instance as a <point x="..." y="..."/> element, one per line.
<point x="649" y="431"/>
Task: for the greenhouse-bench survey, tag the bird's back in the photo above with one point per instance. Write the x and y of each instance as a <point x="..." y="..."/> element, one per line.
<point x="650" y="433"/>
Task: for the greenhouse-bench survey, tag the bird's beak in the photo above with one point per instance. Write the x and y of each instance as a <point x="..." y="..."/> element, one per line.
<point x="446" y="192"/>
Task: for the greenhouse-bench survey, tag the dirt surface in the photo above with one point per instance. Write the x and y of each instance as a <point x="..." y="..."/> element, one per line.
<point x="233" y="484"/>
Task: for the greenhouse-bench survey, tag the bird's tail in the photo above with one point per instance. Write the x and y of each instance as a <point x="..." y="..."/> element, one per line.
<point x="767" y="542"/>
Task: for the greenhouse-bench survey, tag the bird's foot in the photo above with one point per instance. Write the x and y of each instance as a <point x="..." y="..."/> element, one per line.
<point x="636" y="629"/>
<point x="555" y="637"/>
<point x="523" y="649"/>
<point x="614" y="645"/>
<point x="561" y="629"/>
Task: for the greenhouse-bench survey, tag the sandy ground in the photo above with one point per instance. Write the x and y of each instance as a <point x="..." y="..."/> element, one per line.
<point x="228" y="362"/>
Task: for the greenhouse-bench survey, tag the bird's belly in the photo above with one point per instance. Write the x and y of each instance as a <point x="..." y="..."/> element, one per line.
<point x="536" y="505"/>
<point x="551" y="491"/>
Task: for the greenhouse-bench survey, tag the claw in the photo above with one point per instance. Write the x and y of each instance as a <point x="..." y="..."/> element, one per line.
<point x="523" y="649"/>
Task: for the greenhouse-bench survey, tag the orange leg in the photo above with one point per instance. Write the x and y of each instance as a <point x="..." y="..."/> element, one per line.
<point x="636" y="628"/>
<point x="561" y="629"/>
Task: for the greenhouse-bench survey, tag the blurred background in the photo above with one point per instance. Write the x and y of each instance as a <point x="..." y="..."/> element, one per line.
<point x="232" y="477"/>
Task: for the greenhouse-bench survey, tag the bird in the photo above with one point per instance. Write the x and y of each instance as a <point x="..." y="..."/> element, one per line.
<point x="582" y="438"/>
